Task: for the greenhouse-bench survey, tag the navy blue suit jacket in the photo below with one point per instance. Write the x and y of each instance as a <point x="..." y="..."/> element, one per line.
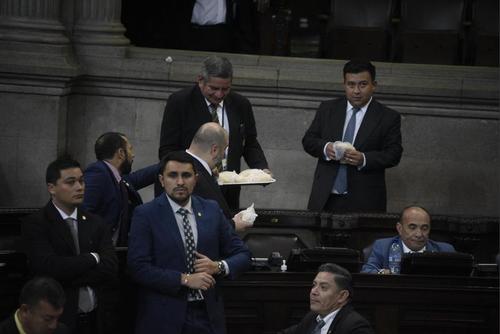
<point x="102" y="192"/>
<point x="379" y="257"/>
<point x="378" y="137"/>
<point x="157" y="257"/>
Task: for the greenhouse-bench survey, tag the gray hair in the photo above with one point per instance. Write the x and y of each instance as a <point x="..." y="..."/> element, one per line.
<point x="216" y="66"/>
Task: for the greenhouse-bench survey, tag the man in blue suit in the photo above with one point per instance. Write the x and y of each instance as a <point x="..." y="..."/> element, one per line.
<point x="111" y="188"/>
<point x="413" y="229"/>
<point x="180" y="245"/>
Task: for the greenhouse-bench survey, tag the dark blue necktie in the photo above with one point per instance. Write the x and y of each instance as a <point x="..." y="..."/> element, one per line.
<point x="340" y="185"/>
<point x="319" y="325"/>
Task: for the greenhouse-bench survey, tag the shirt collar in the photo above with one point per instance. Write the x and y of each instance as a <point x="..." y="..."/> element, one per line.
<point x="408" y="250"/>
<point x="19" y="325"/>
<point x="328" y="319"/>
<point x="203" y="162"/>
<point x="114" y="170"/>
<point x="73" y="215"/>
<point x="220" y="105"/>
<point x="176" y="207"/>
<point x="362" y="109"/>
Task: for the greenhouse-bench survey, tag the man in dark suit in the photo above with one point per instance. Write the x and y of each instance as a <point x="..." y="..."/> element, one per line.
<point x="111" y="187"/>
<point x="180" y="244"/>
<point x="413" y="229"/>
<point x="211" y="99"/>
<point x="354" y="181"/>
<point x="331" y="311"/>
<point x="207" y="149"/>
<point x="74" y="247"/>
<point x="41" y="303"/>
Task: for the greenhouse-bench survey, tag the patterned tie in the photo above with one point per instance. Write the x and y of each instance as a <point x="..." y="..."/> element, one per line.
<point x="319" y="325"/>
<point x="340" y="185"/>
<point x="85" y="303"/>
<point x="213" y="111"/>
<point x="190" y="249"/>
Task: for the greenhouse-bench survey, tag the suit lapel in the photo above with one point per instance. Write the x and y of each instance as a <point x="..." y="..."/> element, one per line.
<point x="370" y="121"/>
<point x="234" y="121"/>
<point x="202" y="223"/>
<point x="338" y="318"/>
<point x="168" y="223"/>
<point x="337" y="120"/>
<point x="60" y="227"/>
<point x="199" y="106"/>
<point x="84" y="233"/>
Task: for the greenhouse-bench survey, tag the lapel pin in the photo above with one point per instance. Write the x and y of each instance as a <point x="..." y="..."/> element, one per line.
<point x="199" y="214"/>
<point x="84" y="218"/>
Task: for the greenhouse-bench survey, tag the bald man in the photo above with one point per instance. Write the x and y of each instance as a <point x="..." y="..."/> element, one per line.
<point x="413" y="228"/>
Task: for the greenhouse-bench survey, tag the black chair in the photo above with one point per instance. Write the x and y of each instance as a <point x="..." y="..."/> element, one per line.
<point x="263" y="244"/>
<point x="484" y="33"/>
<point x="430" y="32"/>
<point x="359" y="29"/>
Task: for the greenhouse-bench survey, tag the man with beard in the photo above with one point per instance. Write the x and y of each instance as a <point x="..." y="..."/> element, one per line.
<point x="111" y="188"/>
<point x="180" y="245"/>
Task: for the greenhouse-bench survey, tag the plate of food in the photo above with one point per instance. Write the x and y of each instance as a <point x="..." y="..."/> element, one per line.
<point x="246" y="177"/>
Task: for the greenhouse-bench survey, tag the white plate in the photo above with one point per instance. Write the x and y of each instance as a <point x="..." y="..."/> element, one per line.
<point x="246" y="183"/>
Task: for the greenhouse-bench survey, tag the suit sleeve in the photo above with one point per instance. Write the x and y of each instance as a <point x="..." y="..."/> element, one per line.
<point x="252" y="151"/>
<point x="391" y="149"/>
<point x="140" y="258"/>
<point x="45" y="261"/>
<point x="143" y="177"/>
<point x="375" y="261"/>
<point x="171" y="130"/>
<point x="313" y="141"/>
<point x="233" y="250"/>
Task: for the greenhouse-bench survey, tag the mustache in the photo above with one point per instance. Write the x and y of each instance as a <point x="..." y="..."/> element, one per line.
<point x="180" y="188"/>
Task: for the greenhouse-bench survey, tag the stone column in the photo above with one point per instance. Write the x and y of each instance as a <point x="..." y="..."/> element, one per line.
<point x="30" y="21"/>
<point x="97" y="23"/>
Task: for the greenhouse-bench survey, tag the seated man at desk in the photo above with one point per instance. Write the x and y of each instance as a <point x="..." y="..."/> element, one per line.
<point x="413" y="228"/>
<point x="331" y="310"/>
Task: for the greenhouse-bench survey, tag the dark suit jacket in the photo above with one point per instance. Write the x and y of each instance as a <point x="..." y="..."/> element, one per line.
<point x="187" y="110"/>
<point x="157" y="257"/>
<point x="207" y="187"/>
<point x="379" y="138"/>
<point x="379" y="256"/>
<point x="8" y="326"/>
<point x="347" y="321"/>
<point x="51" y="251"/>
<point x="103" y="196"/>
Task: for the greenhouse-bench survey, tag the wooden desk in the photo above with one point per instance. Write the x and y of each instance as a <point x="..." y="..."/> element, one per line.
<point x="265" y="302"/>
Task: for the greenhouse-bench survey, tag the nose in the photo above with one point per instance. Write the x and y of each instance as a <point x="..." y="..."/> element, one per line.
<point x="356" y="89"/>
<point x="418" y="233"/>
<point x="219" y="94"/>
<point x="179" y="180"/>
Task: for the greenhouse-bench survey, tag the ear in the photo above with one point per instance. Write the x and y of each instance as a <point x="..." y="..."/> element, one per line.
<point x="23" y="309"/>
<point x="344" y="296"/>
<point x="399" y="227"/>
<point x="200" y="80"/>
<point x="160" y="178"/>
<point x="51" y="188"/>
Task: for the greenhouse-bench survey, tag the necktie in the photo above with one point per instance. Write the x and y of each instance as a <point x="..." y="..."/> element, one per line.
<point x="319" y="325"/>
<point x="340" y="185"/>
<point x="85" y="303"/>
<point x="190" y="248"/>
<point x="213" y="111"/>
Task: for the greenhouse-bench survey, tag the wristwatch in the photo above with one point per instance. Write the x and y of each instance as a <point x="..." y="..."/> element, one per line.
<point x="221" y="268"/>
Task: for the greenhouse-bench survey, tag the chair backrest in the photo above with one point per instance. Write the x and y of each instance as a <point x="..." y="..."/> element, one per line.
<point x="432" y="14"/>
<point x="362" y="13"/>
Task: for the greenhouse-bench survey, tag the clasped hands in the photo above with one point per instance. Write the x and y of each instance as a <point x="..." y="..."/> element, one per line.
<point x="351" y="157"/>
<point x="202" y="278"/>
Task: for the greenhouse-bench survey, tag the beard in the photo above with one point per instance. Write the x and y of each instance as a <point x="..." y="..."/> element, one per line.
<point x="126" y="167"/>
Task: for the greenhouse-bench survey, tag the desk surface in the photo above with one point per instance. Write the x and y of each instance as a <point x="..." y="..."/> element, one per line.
<point x="265" y="302"/>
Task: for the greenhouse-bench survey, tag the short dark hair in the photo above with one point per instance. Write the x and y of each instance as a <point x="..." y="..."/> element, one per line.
<point x="216" y="66"/>
<point x="358" y="66"/>
<point x="42" y="289"/>
<point x="179" y="156"/>
<point x="108" y="143"/>
<point x="54" y="169"/>
<point x="341" y="276"/>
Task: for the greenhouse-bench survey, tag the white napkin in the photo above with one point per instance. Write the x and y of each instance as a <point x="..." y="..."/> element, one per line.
<point x="340" y="147"/>
<point x="248" y="215"/>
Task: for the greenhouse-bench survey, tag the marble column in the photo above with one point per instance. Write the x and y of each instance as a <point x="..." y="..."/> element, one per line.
<point x="31" y="21"/>
<point x="97" y="23"/>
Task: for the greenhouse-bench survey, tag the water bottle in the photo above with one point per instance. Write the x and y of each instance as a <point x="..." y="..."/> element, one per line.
<point x="395" y="258"/>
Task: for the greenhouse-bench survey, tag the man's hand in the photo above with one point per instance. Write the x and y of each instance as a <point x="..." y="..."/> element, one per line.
<point x="201" y="281"/>
<point x="330" y="152"/>
<point x="353" y="157"/>
<point x="203" y="264"/>
<point x="239" y="224"/>
<point x="384" y="272"/>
